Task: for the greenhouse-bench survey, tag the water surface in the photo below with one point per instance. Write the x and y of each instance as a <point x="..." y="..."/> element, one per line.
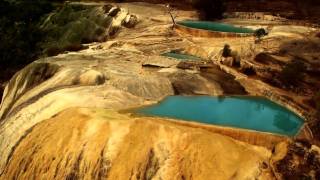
<point x="180" y="56"/>
<point x="242" y="112"/>
<point x="214" y="26"/>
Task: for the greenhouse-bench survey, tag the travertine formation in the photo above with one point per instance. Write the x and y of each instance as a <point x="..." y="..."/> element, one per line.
<point x="59" y="119"/>
<point x="81" y="143"/>
<point x="112" y="75"/>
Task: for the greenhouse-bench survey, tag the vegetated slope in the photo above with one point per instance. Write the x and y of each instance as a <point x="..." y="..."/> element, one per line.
<point x="72" y="25"/>
<point x="29" y="31"/>
<point x="19" y="35"/>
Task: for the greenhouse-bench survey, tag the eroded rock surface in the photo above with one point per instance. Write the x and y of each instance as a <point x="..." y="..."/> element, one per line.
<point x="81" y="143"/>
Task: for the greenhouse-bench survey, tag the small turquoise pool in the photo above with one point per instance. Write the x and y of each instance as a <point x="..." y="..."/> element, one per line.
<point x="252" y="113"/>
<point x="214" y="26"/>
<point x="180" y="56"/>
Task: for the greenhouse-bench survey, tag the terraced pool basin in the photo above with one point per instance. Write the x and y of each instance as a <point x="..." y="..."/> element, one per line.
<point x="214" y="26"/>
<point x="180" y="56"/>
<point x="252" y="113"/>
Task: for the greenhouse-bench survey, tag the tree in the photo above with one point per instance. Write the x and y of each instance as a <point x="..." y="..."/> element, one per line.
<point x="303" y="7"/>
<point x="170" y="9"/>
<point x="20" y="32"/>
<point x="210" y="9"/>
<point x="226" y="51"/>
<point x="259" y="33"/>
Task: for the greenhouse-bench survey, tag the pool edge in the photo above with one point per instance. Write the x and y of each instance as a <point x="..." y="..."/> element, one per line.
<point x="265" y="139"/>
<point x="254" y="137"/>
<point x="208" y="33"/>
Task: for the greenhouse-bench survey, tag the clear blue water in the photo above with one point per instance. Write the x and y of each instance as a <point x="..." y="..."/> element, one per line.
<point x="252" y="113"/>
<point x="214" y="26"/>
<point x="180" y="56"/>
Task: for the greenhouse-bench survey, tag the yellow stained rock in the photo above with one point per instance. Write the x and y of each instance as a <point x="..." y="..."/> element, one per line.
<point x="97" y="143"/>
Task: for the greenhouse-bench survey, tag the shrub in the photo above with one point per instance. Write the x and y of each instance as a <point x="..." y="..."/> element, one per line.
<point x="73" y="25"/>
<point x="226" y="51"/>
<point x="259" y="33"/>
<point x="292" y="73"/>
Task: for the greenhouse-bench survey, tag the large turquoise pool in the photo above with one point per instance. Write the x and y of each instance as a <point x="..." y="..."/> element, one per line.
<point x="214" y="26"/>
<point x="252" y="113"/>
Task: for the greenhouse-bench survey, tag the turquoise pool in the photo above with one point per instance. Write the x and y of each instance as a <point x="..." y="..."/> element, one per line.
<point x="252" y="113"/>
<point x="180" y="56"/>
<point x="214" y="26"/>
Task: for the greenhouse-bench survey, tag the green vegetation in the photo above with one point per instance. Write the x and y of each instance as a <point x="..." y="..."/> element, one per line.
<point x="29" y="29"/>
<point x="226" y="51"/>
<point x="73" y="25"/>
<point x="33" y="28"/>
<point x="20" y="35"/>
<point x="259" y="33"/>
<point x="293" y="73"/>
<point x="19" y="31"/>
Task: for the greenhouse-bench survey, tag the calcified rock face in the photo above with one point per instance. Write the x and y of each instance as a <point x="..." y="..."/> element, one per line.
<point x="99" y="144"/>
<point x="58" y="116"/>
